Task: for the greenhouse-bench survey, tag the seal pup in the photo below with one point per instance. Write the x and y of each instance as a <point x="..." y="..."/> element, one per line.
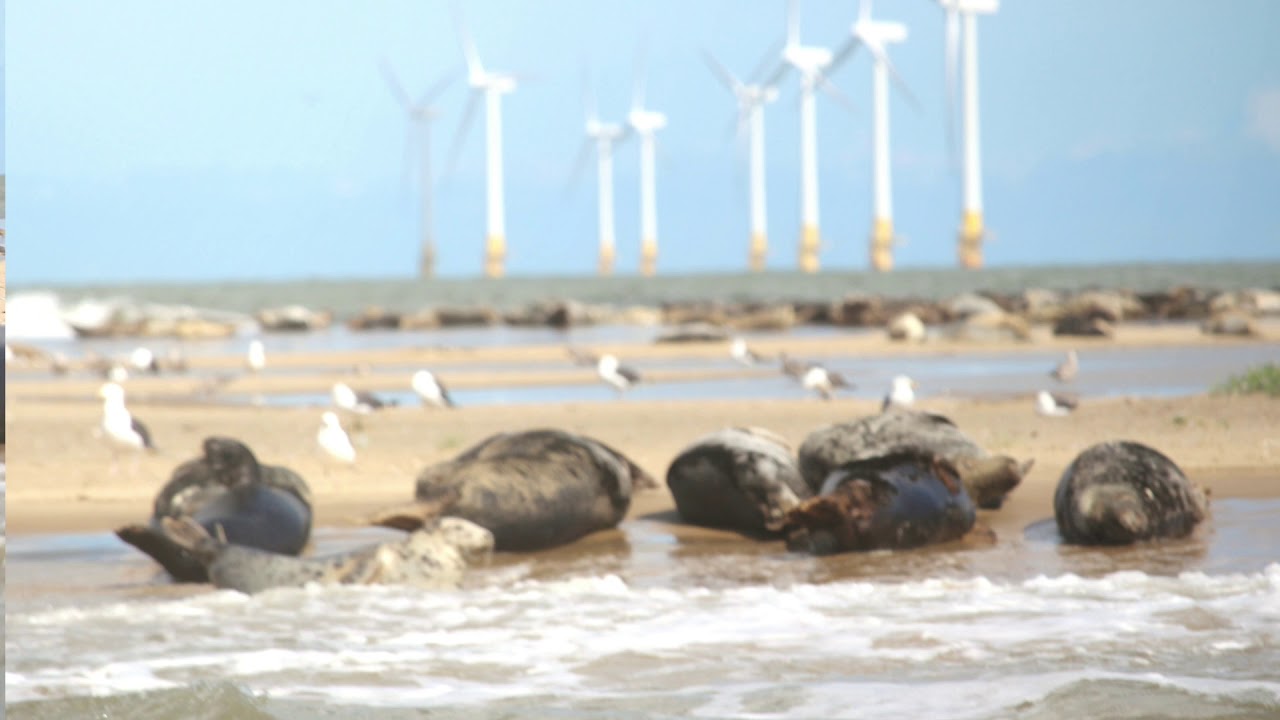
<point x="744" y="479"/>
<point x="1120" y="492"/>
<point x="895" y="501"/>
<point x="433" y="557"/>
<point x="534" y="489"/>
<point x="988" y="479"/>
<point x="252" y="504"/>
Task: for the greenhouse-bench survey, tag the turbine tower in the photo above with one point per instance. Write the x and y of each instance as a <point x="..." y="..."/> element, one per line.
<point x="751" y="101"/>
<point x="604" y="136"/>
<point x="492" y="85"/>
<point x="646" y="123"/>
<point x="418" y="132"/>
<point x="874" y="35"/>
<point x="809" y="62"/>
<point x="962" y="31"/>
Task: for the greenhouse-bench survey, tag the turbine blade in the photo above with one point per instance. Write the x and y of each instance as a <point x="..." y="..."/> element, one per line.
<point x="579" y="166"/>
<point x="770" y="53"/>
<point x="777" y="75"/>
<point x="793" y="23"/>
<point x="464" y="38"/>
<point x="843" y="53"/>
<point x="445" y="80"/>
<point x="393" y="82"/>
<point x="834" y="91"/>
<point x="882" y="57"/>
<point x="460" y="135"/>
<point x="722" y="73"/>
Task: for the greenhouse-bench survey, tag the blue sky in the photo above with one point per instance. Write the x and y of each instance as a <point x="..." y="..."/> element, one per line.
<point x="147" y="139"/>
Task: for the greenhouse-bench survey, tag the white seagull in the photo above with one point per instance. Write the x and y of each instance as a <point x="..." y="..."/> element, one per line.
<point x="739" y="351"/>
<point x="333" y="439"/>
<point x="902" y="393"/>
<point x="257" y="356"/>
<point x="1067" y="369"/>
<point x="1054" y="404"/>
<point x="823" y="381"/>
<point x="143" y="359"/>
<point x="619" y="376"/>
<point x="119" y="426"/>
<point x="431" y="390"/>
<point x="355" y="401"/>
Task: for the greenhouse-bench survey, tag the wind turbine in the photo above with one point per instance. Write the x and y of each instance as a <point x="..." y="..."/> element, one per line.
<point x="874" y="35"/>
<point x="809" y="62"/>
<point x="751" y="101"/>
<point x="646" y="123"/>
<point x="962" y="29"/>
<point x="605" y="136"/>
<point x="492" y="85"/>
<point x="418" y="132"/>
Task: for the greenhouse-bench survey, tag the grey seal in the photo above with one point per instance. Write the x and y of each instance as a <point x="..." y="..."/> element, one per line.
<point x="434" y="556"/>
<point x="988" y="479"/>
<point x="534" y="489"/>
<point x="744" y="479"/>
<point x="1120" y="492"/>
<point x="226" y="491"/>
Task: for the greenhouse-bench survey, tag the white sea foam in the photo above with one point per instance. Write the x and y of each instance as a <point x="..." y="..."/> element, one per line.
<point x="917" y="648"/>
<point x="35" y="316"/>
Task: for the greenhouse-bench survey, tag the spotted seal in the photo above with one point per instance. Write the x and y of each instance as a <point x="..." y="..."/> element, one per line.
<point x="533" y="489"/>
<point x="1120" y="492"/>
<point x="434" y="556"/>
<point x="228" y="491"/>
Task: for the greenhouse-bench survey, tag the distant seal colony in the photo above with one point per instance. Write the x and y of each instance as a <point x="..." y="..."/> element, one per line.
<point x="533" y="490"/>
<point x="1116" y="493"/>
<point x="231" y="495"/>
<point x="433" y="557"/>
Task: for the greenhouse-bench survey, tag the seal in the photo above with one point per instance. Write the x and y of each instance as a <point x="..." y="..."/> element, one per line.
<point x="895" y="501"/>
<point x="988" y="479"/>
<point x="433" y="556"/>
<point x="1121" y="492"/>
<point x="744" y="479"/>
<point x="226" y="491"/>
<point x="534" y="489"/>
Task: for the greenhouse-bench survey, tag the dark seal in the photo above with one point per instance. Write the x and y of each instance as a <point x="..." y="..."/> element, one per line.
<point x="896" y="501"/>
<point x="988" y="478"/>
<point x="233" y="496"/>
<point x="533" y="490"/>
<point x="1116" y="493"/>
<point x="433" y="557"/>
<point x="744" y="479"/>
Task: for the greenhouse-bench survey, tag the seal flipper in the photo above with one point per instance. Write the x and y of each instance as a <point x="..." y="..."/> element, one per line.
<point x="192" y="537"/>
<point x="179" y="562"/>
<point x="410" y="517"/>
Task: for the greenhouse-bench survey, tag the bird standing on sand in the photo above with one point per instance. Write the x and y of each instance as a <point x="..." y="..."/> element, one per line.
<point x="431" y="390"/>
<point x="902" y="393"/>
<point x="333" y="439"/>
<point x="143" y="359"/>
<point x="824" y="381"/>
<point x="739" y="351"/>
<point x="1054" y="404"/>
<point x="355" y="401"/>
<point x="1067" y="369"/>
<point x="619" y="376"/>
<point x="256" y="359"/>
<point x="120" y="427"/>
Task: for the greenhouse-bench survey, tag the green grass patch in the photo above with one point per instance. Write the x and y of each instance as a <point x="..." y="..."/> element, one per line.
<point x="1262" y="380"/>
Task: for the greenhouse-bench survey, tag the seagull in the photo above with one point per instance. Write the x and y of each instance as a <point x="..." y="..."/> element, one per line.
<point x="902" y="393"/>
<point x="620" y="377"/>
<point x="1055" y="404"/>
<point x="143" y="359"/>
<point x="739" y="351"/>
<point x="119" y="426"/>
<point x="793" y="367"/>
<point x="431" y="390"/>
<point x="333" y="439"/>
<point x="824" y="381"/>
<point x="355" y="401"/>
<point x="257" y="356"/>
<point x="1067" y="369"/>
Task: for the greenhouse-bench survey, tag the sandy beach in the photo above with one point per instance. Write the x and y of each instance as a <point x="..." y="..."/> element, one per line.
<point x="61" y="479"/>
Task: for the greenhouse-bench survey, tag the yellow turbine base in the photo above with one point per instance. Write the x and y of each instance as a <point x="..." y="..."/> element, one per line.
<point x="809" y="245"/>
<point x="648" y="257"/>
<point x="605" y="267"/>
<point x="971" y="234"/>
<point x="495" y="253"/>
<point x="882" y="245"/>
<point x="759" y="249"/>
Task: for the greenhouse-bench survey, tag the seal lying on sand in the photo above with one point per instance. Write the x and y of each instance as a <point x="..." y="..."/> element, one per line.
<point x="431" y="557"/>
<point x="987" y="478"/>
<point x="228" y="492"/>
<point x="900" y="500"/>
<point x="744" y="479"/>
<point x="1117" y="493"/>
<point x="534" y="489"/>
